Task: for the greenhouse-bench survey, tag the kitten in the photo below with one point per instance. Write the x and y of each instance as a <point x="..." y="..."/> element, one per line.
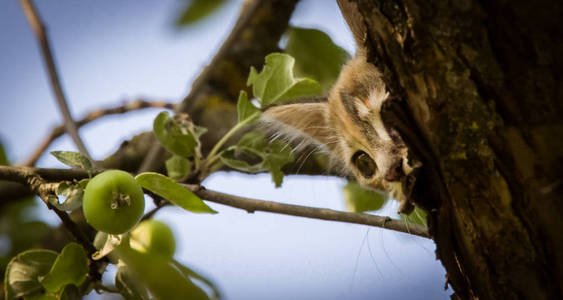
<point x="348" y="124"/>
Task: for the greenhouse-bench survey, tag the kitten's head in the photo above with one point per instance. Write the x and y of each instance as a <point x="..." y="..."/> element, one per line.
<point x="349" y="123"/>
<point x="349" y="126"/>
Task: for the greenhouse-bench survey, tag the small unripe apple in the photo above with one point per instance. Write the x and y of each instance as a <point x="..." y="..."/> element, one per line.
<point x="113" y="202"/>
<point x="153" y="237"/>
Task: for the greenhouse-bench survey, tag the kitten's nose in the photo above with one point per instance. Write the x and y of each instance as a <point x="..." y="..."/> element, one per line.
<point x="395" y="171"/>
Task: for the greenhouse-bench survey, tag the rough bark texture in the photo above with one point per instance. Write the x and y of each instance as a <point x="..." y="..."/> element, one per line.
<point x="481" y="102"/>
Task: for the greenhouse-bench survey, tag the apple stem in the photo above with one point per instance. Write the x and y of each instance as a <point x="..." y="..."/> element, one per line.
<point x="120" y="200"/>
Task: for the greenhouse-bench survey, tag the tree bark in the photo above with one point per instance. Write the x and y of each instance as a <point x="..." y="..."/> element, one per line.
<point x="479" y="95"/>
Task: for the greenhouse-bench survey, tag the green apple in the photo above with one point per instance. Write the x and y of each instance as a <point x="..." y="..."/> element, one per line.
<point x="153" y="237"/>
<point x="113" y="202"/>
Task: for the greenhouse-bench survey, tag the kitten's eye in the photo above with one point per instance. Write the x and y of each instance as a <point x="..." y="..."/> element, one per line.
<point x="364" y="163"/>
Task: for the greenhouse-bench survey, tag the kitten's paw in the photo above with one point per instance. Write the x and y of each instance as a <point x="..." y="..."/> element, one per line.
<point x="406" y="207"/>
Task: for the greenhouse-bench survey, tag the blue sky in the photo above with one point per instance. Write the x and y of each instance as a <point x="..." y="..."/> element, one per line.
<point x="111" y="51"/>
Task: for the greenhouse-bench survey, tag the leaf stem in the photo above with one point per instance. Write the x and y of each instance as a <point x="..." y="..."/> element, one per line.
<point x="197" y="160"/>
<point x="213" y="156"/>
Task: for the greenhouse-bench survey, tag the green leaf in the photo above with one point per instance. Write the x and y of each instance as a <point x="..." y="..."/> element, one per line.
<point x="173" y="192"/>
<point x="255" y="140"/>
<point x="253" y="154"/>
<point x="359" y="199"/>
<point x="74" y="159"/>
<point x="157" y="273"/>
<point x="198" y="10"/>
<point x="178" y="167"/>
<point x="276" y="83"/>
<point x="193" y="274"/>
<point x="247" y="112"/>
<point x="73" y="193"/>
<point x="24" y="271"/>
<point x="417" y="216"/>
<point x="173" y="137"/>
<point x="128" y="286"/>
<point x="316" y="55"/>
<point x="279" y="154"/>
<point x="248" y="154"/>
<point x="229" y="158"/>
<point x="199" y="131"/>
<point x="70" y="267"/>
<point x="70" y="292"/>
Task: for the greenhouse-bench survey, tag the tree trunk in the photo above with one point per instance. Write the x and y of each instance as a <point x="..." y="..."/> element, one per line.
<point x="480" y="101"/>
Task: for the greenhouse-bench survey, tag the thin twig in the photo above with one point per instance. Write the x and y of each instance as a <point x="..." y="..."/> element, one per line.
<point x="40" y="32"/>
<point x="153" y="211"/>
<point x="93" y="116"/>
<point x="159" y="202"/>
<point x="248" y="204"/>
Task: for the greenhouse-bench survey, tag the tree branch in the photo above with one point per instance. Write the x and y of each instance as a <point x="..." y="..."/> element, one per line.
<point x="252" y="205"/>
<point x="248" y="204"/>
<point x="93" y="116"/>
<point x="40" y="32"/>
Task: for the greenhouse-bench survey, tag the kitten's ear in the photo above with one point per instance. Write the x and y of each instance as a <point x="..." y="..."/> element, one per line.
<point x="301" y="120"/>
<point x="355" y="21"/>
